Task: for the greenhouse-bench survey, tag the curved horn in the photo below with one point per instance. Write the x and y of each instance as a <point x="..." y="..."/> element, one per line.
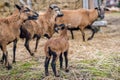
<point x="28" y="4"/>
<point x="22" y="2"/>
<point x="98" y="3"/>
<point x="36" y="14"/>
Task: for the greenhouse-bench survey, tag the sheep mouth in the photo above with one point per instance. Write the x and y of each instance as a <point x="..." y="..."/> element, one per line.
<point x="32" y="18"/>
<point x="59" y="15"/>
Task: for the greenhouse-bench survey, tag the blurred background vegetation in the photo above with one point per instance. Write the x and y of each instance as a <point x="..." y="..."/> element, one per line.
<point x="7" y="6"/>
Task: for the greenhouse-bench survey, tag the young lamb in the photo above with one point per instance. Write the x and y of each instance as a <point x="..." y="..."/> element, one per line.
<point x="81" y="19"/>
<point x="56" y="47"/>
<point x="10" y="30"/>
<point x="42" y="27"/>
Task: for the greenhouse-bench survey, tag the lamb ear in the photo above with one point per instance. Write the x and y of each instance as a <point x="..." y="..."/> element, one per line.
<point x="62" y="26"/>
<point x="56" y="29"/>
<point x="96" y="8"/>
<point x="52" y="6"/>
<point x="18" y="7"/>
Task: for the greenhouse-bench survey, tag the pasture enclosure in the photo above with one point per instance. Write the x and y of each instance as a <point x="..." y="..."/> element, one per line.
<point x="98" y="59"/>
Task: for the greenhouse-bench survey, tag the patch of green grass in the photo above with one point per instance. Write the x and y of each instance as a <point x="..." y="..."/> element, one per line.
<point x="98" y="72"/>
<point x="26" y="65"/>
<point x="89" y="61"/>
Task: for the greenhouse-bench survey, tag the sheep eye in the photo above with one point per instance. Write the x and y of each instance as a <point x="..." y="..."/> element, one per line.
<point x="27" y="10"/>
<point x="56" y="9"/>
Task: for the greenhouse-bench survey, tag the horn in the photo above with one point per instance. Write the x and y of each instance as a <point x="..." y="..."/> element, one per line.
<point x="22" y="2"/>
<point x="36" y="14"/>
<point x="98" y="3"/>
<point x="28" y="3"/>
<point x="52" y="6"/>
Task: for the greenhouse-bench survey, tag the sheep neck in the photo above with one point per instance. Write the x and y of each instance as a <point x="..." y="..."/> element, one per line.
<point x="63" y="34"/>
<point x="16" y="19"/>
<point x="93" y="15"/>
<point x="49" y="15"/>
<point x="13" y="19"/>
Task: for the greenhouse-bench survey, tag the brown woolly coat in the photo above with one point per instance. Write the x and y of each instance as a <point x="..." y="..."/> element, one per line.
<point x="47" y="21"/>
<point x="31" y="28"/>
<point x="41" y="26"/>
<point x="9" y="28"/>
<point x="78" y="18"/>
<point x="59" y="44"/>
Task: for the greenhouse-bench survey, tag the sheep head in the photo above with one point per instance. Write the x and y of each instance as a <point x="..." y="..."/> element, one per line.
<point x="59" y="27"/>
<point x="26" y="14"/>
<point x="56" y="9"/>
<point x="101" y="11"/>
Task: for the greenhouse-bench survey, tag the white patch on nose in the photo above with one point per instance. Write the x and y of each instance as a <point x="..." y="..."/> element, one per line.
<point x="58" y="12"/>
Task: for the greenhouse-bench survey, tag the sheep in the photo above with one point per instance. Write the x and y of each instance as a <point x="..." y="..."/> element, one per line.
<point x="56" y="47"/>
<point x="41" y="27"/>
<point x="81" y="19"/>
<point x="10" y="30"/>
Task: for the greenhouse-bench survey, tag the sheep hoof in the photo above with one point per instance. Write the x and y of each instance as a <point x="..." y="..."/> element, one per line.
<point x="1" y="61"/>
<point x="57" y="75"/>
<point x="46" y="74"/>
<point x="14" y="62"/>
<point x="67" y="70"/>
<point x="9" y="67"/>
<point x="89" y="39"/>
<point x="32" y="54"/>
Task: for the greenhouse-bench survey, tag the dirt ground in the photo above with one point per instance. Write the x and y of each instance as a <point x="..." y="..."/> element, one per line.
<point x="97" y="59"/>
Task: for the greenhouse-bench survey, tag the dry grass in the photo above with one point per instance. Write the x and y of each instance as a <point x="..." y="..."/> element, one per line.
<point x="98" y="59"/>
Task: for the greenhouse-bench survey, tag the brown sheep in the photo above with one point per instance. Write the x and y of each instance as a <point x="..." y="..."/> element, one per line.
<point x="10" y="30"/>
<point x="56" y="47"/>
<point x="81" y="19"/>
<point x="35" y="29"/>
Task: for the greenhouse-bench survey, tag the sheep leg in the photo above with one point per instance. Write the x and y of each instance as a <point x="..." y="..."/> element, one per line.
<point x="66" y="61"/>
<point x="53" y="64"/>
<point x="83" y="35"/>
<point x="37" y="41"/>
<point x="94" y="30"/>
<point x="93" y="33"/>
<point x="27" y="47"/>
<point x="14" y="50"/>
<point x="47" y="60"/>
<point x="61" y="61"/>
<point x="2" y="60"/>
<point x="71" y="31"/>
<point x="5" y="53"/>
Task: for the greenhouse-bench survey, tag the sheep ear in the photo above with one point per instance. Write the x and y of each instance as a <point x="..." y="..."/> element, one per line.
<point x="18" y="7"/>
<point x="62" y="26"/>
<point x="56" y="29"/>
<point x="96" y="8"/>
<point x="52" y="6"/>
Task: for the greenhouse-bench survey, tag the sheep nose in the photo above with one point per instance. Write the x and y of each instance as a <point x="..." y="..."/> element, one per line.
<point x="102" y="17"/>
<point x="60" y="15"/>
<point x="36" y="14"/>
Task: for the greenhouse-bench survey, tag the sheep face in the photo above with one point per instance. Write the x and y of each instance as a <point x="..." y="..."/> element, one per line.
<point x="26" y="13"/>
<point x="59" y="27"/>
<point x="56" y="9"/>
<point x="101" y="12"/>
